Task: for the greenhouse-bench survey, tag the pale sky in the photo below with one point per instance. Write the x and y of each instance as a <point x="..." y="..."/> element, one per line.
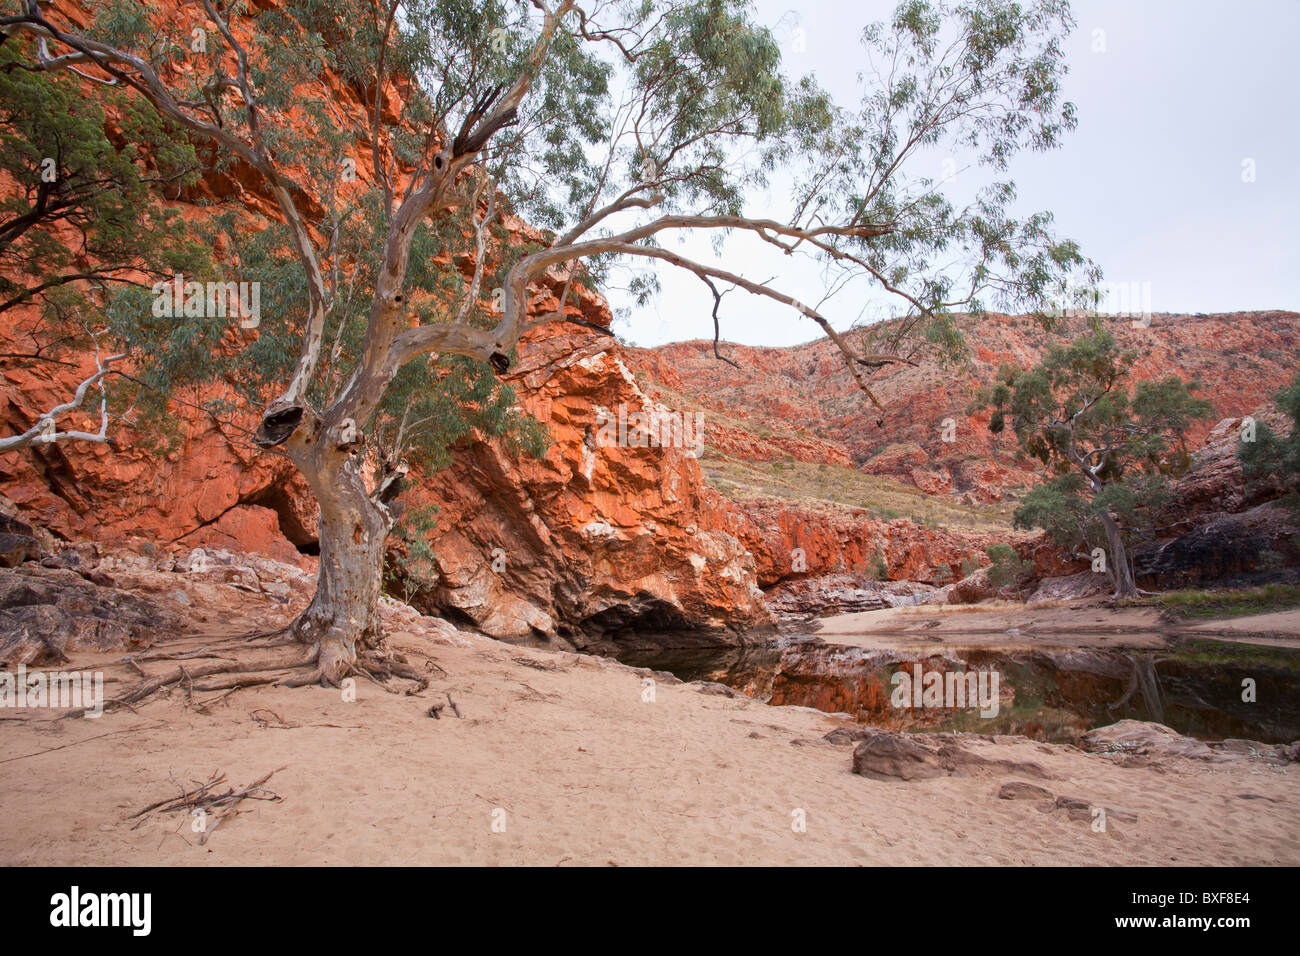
<point x="1150" y="183"/>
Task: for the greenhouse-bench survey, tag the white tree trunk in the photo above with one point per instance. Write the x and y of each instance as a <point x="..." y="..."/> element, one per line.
<point x="343" y="617"/>
<point x="1121" y="571"/>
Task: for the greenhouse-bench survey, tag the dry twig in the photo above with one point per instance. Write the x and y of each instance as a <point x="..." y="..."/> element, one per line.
<point x="203" y="799"/>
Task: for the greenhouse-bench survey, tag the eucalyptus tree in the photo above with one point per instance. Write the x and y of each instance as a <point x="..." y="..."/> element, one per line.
<point x="1108" y="443"/>
<point x="613" y="127"/>
<point x="1273" y="457"/>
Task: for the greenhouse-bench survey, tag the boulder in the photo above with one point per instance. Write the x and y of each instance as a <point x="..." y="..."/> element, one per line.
<point x="972" y="589"/>
<point x="11" y="525"/>
<point x="721" y="690"/>
<point x="46" y="614"/>
<point x="1072" y="587"/>
<point x="1146" y="742"/>
<point x="17" y="548"/>
<point x="1019" y="790"/>
<point x="885" y="755"/>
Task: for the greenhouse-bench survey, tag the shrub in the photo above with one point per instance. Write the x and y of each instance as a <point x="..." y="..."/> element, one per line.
<point x="1007" y="568"/>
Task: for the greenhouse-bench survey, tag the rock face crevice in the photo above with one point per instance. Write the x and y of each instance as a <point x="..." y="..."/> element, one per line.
<point x="593" y="539"/>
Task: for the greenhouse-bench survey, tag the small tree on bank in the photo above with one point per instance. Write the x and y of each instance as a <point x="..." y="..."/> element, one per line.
<point x="1268" y="455"/>
<point x="615" y="126"/>
<point x="1110" y="445"/>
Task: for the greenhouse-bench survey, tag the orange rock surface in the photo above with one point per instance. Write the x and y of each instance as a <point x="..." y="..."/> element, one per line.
<point x="1241" y="359"/>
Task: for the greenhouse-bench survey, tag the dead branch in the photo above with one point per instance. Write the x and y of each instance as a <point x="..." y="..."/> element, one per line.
<point x="44" y="432"/>
<point x="205" y="801"/>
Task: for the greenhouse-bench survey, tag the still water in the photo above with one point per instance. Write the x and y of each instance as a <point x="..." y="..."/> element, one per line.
<point x="1199" y="688"/>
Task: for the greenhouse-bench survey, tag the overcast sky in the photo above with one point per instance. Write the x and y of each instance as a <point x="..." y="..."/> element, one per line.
<point x="1150" y="184"/>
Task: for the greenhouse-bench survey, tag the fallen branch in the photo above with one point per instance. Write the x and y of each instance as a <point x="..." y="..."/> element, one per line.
<point x="111" y="733"/>
<point x="205" y="801"/>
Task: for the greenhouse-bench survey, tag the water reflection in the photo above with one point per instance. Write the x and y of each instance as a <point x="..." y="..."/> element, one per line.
<point x="1200" y="688"/>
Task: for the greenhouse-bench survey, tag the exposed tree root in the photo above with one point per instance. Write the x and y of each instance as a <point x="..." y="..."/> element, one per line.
<point x="236" y="681"/>
<point x="306" y="679"/>
<point x="281" y="636"/>
<point x="206" y="671"/>
<point x="382" y="670"/>
<point x="258" y="659"/>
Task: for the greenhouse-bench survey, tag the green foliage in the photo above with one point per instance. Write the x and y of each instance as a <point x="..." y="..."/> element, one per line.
<point x="1111" y="447"/>
<point x="452" y="51"/>
<point x="1273" y="456"/>
<point x="414" y="568"/>
<point x="1074" y="411"/>
<point x="982" y="80"/>
<point x="431" y="403"/>
<point x="686" y="102"/>
<point x="1007" y="568"/>
<point x="84" y="216"/>
<point x="1231" y="603"/>
<point x="875" y="569"/>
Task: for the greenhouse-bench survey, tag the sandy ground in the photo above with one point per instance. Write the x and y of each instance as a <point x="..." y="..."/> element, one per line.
<point x="586" y="772"/>
<point x="1280" y="627"/>
<point x="1085" y="623"/>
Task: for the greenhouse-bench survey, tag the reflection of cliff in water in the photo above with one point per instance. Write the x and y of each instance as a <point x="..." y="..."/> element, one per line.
<point x="1049" y="694"/>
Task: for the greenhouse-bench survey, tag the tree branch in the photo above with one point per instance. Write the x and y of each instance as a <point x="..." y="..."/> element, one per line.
<point x="44" y="433"/>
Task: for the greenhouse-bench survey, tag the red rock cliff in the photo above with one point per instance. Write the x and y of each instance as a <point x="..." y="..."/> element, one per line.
<point x="800" y="403"/>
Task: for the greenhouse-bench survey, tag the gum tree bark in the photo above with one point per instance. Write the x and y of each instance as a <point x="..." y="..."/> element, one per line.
<point x="1118" y="566"/>
<point x="342" y="619"/>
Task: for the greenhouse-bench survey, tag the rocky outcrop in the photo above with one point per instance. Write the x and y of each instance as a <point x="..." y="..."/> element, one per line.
<point x="45" y="614"/>
<point x="1234" y="532"/>
<point x="887" y="755"/>
<point x="1259" y="546"/>
<point x="790" y="541"/>
<point x="594" y="538"/>
<point x="924" y="436"/>
<point x="1071" y="587"/>
<point x="972" y="589"/>
<point x="1215" y="484"/>
<point x="1145" y="743"/>
<point x="211" y="487"/>
<point x="803" y="598"/>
